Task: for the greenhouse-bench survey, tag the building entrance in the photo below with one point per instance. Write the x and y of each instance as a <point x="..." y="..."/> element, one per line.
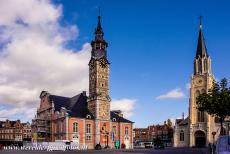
<point x="200" y="139"/>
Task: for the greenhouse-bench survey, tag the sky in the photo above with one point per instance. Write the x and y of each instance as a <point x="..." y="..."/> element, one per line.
<point x="152" y="45"/>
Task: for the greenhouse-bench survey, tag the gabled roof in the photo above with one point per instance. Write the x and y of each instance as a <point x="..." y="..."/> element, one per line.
<point x="182" y="122"/>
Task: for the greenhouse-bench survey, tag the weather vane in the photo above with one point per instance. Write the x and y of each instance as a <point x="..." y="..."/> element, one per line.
<point x="200" y="21"/>
<point x="99" y="11"/>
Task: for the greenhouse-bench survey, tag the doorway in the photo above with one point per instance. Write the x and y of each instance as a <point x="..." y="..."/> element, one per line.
<point x="200" y="139"/>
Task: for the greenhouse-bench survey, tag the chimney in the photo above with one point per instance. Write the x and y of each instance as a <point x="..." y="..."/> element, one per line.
<point x="84" y="93"/>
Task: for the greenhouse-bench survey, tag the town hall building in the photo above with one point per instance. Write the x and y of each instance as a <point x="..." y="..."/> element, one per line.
<point x="198" y="129"/>
<point x="86" y="120"/>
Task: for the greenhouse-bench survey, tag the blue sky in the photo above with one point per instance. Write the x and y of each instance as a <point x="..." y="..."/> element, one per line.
<point x="152" y="45"/>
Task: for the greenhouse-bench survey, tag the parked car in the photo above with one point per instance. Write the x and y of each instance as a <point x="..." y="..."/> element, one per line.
<point x="148" y="145"/>
<point x="159" y="145"/>
<point x="1" y="146"/>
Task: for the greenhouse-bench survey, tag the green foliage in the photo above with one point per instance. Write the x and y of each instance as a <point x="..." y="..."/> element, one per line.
<point x="169" y="123"/>
<point x="216" y="102"/>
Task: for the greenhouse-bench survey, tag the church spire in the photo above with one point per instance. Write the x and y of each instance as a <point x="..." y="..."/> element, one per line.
<point x="202" y="62"/>
<point x="201" y="50"/>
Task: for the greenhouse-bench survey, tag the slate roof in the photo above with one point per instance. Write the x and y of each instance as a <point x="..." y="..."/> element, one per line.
<point x="77" y="107"/>
<point x="201" y="50"/>
<point x="118" y="118"/>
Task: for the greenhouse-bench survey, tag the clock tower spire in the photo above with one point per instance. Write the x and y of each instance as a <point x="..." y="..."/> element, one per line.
<point x="99" y="100"/>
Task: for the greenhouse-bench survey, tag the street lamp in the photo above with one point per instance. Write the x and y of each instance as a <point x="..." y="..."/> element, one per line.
<point x="213" y="137"/>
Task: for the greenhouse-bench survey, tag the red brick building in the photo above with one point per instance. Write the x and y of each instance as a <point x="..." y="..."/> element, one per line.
<point x="153" y="132"/>
<point x="14" y="132"/>
<point x="86" y="120"/>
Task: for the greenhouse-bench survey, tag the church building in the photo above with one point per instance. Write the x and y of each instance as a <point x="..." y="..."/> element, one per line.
<point x="86" y="120"/>
<point x="196" y="130"/>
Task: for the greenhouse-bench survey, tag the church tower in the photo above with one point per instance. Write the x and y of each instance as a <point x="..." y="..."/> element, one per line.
<point x="201" y="124"/>
<point x="99" y="100"/>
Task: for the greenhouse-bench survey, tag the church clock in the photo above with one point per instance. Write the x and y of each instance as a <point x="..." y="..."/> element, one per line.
<point x="98" y="102"/>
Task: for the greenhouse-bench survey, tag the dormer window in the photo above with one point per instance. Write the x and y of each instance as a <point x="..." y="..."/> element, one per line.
<point x="88" y="116"/>
<point x="114" y="119"/>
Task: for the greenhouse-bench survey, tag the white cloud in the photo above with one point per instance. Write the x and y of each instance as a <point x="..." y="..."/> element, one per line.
<point x="33" y="56"/>
<point x="125" y="105"/>
<point x="172" y="94"/>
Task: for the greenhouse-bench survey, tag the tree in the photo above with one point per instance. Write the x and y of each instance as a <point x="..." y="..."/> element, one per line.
<point x="169" y="122"/>
<point x="216" y="102"/>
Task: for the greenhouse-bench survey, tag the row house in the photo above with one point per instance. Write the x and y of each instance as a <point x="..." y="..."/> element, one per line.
<point x="154" y="132"/>
<point x="14" y="132"/>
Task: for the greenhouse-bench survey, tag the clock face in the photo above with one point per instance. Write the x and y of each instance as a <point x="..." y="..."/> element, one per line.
<point x="199" y="81"/>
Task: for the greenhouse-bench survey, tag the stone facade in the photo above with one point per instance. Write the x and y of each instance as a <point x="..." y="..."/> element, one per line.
<point x="197" y="128"/>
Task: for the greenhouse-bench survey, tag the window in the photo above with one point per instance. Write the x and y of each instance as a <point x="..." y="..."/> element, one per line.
<point x="88" y="128"/>
<point x="114" y="130"/>
<point x="97" y="46"/>
<point x="88" y="137"/>
<point x="88" y="116"/>
<point x="126" y="130"/>
<point x="200" y="116"/>
<point x="181" y="135"/>
<point x="75" y="127"/>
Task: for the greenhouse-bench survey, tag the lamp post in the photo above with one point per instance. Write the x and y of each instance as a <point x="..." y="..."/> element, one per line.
<point x="228" y="135"/>
<point x="213" y="137"/>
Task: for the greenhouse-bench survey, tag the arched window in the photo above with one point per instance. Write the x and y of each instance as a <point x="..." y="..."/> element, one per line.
<point x="197" y="93"/>
<point x="200" y="116"/>
<point x="181" y="135"/>
<point x="200" y="65"/>
<point x="126" y="130"/>
<point x="75" y="127"/>
<point x="203" y="91"/>
<point x="88" y="116"/>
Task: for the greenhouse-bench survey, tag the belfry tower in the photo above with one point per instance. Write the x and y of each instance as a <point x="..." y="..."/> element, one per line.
<point x="201" y="124"/>
<point x="99" y="100"/>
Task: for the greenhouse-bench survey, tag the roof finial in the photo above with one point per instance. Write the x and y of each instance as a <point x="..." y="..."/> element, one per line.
<point x="99" y="16"/>
<point x="200" y="22"/>
<point x="99" y="11"/>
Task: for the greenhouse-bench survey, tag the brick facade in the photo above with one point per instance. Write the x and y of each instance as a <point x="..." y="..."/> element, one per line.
<point x="14" y="132"/>
<point x="86" y="120"/>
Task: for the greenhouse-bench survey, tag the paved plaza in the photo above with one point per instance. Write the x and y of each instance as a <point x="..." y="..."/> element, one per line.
<point x="136" y="151"/>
